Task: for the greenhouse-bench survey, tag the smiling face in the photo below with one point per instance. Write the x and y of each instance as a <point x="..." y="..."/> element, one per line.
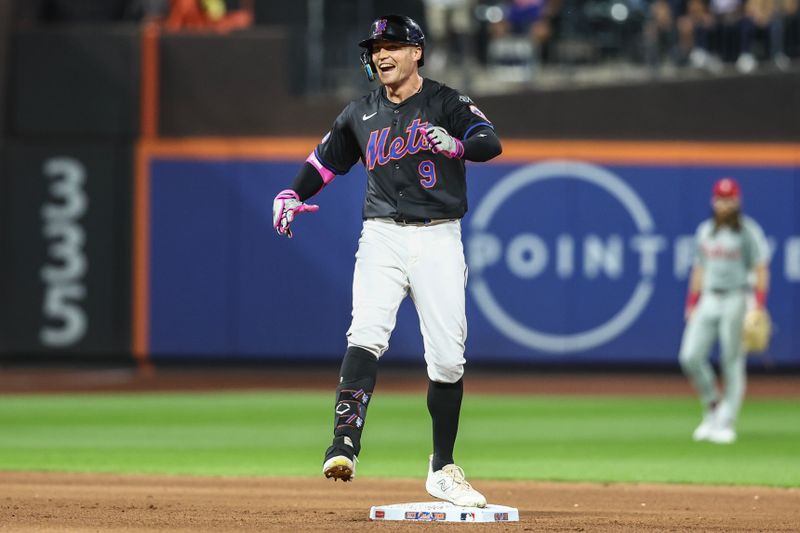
<point x="395" y="62"/>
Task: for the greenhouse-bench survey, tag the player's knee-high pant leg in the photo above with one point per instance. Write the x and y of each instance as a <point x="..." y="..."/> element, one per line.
<point x="732" y="354"/>
<point x="437" y="276"/>
<point x="698" y="336"/>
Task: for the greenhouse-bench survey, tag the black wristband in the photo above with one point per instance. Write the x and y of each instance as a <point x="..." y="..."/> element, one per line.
<point x="308" y="182"/>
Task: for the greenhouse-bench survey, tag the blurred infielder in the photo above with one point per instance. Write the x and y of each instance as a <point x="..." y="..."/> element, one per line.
<point x="730" y="250"/>
<point x="413" y="135"/>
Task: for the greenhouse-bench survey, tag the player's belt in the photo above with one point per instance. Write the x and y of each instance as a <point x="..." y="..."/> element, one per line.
<point x="421" y="222"/>
<point x="726" y="291"/>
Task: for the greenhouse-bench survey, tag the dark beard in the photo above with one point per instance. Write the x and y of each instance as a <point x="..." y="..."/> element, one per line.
<point x="733" y="220"/>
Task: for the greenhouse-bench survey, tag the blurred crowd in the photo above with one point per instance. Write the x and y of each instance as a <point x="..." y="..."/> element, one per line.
<point x="709" y="33"/>
<point x="510" y="40"/>
<point x="697" y="34"/>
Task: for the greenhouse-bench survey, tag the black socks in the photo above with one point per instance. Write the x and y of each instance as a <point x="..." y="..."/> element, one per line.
<point x="444" y="405"/>
<point x="357" y="378"/>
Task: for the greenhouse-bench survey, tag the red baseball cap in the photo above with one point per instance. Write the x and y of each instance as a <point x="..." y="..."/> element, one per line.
<point x="726" y="188"/>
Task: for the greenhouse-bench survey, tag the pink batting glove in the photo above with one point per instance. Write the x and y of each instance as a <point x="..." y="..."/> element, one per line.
<point x="441" y="142"/>
<point x="285" y="208"/>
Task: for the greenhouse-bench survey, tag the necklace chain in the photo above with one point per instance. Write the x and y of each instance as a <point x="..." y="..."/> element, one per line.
<point x="419" y="90"/>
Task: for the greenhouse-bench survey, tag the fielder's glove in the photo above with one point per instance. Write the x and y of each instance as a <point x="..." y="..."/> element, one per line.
<point x="756" y="331"/>
<point x="285" y="208"/>
<point x="441" y="142"/>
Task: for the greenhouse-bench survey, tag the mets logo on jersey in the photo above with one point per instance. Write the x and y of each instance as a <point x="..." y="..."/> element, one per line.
<point x="377" y="152"/>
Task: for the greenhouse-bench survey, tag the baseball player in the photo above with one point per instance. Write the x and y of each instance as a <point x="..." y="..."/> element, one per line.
<point x="731" y="250"/>
<point x="413" y="135"/>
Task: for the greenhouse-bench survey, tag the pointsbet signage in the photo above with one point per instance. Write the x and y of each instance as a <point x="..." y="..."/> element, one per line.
<point x="569" y="259"/>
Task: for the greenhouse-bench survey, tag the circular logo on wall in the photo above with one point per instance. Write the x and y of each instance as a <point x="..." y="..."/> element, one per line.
<point x="528" y="235"/>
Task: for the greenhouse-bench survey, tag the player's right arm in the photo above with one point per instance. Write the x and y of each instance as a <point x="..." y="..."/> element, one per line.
<point x="696" y="276"/>
<point x="335" y="154"/>
<point x="695" y="286"/>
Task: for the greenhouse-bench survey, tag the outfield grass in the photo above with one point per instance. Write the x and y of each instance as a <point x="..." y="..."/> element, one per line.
<point x="572" y="438"/>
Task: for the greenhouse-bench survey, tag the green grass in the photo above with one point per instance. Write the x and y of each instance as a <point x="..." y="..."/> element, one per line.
<point x="644" y="439"/>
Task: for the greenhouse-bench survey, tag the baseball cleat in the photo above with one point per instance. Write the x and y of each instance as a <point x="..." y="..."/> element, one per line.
<point x="449" y="484"/>
<point x="340" y="460"/>
<point x="703" y="431"/>
<point x="340" y="467"/>
<point x="722" y="434"/>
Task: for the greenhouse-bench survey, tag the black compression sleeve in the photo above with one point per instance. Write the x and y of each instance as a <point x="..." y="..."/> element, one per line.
<point x="482" y="145"/>
<point x="308" y="182"/>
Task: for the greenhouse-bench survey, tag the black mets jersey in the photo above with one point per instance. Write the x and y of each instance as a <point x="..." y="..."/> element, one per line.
<point x="405" y="180"/>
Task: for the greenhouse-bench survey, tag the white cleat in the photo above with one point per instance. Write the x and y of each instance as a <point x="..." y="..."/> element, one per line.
<point x="340" y="462"/>
<point x="722" y="434"/>
<point x="340" y="467"/>
<point x="703" y="431"/>
<point x="449" y="484"/>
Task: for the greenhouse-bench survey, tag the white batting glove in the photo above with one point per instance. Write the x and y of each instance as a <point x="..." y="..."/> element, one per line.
<point x="441" y="142"/>
<point x="285" y="208"/>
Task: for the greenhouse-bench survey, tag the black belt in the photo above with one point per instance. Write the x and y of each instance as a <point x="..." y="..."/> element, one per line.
<point x="414" y="222"/>
<point x="417" y="222"/>
<point x="726" y="291"/>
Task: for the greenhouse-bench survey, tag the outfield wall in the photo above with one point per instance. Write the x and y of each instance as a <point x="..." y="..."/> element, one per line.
<point x="578" y="252"/>
<point x="122" y="232"/>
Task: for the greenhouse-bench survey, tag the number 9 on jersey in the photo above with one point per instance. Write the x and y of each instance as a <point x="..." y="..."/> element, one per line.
<point x="428" y="173"/>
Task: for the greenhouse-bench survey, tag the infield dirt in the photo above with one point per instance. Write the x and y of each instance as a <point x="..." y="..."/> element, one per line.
<point x="45" y="502"/>
<point x="60" y="502"/>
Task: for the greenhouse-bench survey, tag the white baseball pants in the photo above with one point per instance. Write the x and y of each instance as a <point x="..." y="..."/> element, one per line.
<point x="717" y="316"/>
<point x="425" y="262"/>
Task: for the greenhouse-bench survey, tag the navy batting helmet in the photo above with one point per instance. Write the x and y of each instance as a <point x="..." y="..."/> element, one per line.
<point x="398" y="28"/>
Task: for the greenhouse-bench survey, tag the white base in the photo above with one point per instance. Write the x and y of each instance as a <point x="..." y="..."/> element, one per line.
<point x="443" y="512"/>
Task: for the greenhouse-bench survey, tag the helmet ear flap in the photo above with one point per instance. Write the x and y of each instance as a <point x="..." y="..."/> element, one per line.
<point x="368" y="65"/>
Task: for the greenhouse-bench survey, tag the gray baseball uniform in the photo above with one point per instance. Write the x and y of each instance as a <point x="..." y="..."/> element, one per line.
<point x="728" y="257"/>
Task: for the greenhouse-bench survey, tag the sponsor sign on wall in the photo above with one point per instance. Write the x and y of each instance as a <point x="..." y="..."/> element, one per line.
<point x="569" y="260"/>
<point x="67" y="274"/>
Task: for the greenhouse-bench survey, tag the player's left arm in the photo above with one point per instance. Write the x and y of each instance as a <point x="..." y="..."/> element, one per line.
<point x="483" y="145"/>
<point x="761" y="284"/>
<point x="757" y="325"/>
<point x="466" y="133"/>
<point x="758" y="257"/>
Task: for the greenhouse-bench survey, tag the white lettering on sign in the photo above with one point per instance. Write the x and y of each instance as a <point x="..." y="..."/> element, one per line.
<point x="63" y="273"/>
